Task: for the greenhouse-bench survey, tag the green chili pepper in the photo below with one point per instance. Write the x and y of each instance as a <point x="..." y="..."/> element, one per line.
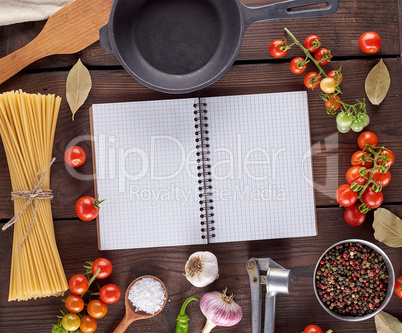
<point x="182" y="318"/>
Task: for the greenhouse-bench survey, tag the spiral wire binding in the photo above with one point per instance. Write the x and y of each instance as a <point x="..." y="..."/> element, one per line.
<point x="204" y="170"/>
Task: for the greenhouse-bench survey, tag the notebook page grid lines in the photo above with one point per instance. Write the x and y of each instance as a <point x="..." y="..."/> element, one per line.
<point x="145" y="161"/>
<point x="258" y="149"/>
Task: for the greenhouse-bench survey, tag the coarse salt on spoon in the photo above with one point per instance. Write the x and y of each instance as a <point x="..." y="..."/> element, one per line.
<point x="69" y="30"/>
<point x="132" y="314"/>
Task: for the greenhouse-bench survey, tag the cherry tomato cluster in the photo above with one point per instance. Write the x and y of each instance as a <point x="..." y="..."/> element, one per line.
<point x="80" y="319"/>
<point x="365" y="179"/>
<point x="346" y="119"/>
<point x="350" y="116"/>
<point x="314" y="329"/>
<point x="298" y="65"/>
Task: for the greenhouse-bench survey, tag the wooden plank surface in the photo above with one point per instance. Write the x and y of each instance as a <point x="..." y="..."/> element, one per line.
<point x="331" y="151"/>
<point x="294" y="311"/>
<point x="339" y="33"/>
<point x="255" y="72"/>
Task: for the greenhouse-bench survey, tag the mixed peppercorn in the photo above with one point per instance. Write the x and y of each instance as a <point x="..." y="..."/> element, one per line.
<point x="351" y="279"/>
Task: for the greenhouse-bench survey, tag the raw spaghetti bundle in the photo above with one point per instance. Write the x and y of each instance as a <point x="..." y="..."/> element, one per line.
<point x="27" y="127"/>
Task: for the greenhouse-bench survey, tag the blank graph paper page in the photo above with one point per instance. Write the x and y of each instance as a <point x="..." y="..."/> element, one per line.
<point x="261" y="167"/>
<point x="146" y="172"/>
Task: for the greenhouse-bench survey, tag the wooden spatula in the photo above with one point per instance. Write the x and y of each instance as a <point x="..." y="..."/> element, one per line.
<point x="69" y="30"/>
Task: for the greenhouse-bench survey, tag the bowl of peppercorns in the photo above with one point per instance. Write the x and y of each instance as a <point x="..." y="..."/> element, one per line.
<point x="351" y="280"/>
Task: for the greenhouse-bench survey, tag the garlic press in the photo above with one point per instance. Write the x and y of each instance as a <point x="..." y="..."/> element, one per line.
<point x="269" y="278"/>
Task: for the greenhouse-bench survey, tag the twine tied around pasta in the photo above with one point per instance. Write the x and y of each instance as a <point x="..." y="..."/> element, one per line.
<point x="34" y="195"/>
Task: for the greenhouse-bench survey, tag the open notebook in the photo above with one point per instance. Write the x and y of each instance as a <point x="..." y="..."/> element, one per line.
<point x="195" y="171"/>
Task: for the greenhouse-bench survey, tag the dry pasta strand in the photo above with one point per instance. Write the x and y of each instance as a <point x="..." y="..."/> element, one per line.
<point x="27" y="128"/>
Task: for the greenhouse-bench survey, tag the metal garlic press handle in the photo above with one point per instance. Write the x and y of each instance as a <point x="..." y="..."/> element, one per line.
<point x="256" y="294"/>
<point x="269" y="322"/>
<point x="277" y="280"/>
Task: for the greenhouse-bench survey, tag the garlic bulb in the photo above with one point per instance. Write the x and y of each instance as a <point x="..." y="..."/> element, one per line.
<point x="220" y="310"/>
<point x="202" y="268"/>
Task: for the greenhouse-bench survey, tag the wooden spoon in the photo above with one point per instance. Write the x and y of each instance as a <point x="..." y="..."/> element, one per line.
<point x="69" y="30"/>
<point x="131" y="313"/>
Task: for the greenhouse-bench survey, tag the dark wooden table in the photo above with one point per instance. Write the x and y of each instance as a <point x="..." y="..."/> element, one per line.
<point x="255" y="71"/>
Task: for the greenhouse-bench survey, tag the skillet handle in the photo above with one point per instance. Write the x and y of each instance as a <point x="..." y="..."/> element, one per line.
<point x="104" y="38"/>
<point x="283" y="10"/>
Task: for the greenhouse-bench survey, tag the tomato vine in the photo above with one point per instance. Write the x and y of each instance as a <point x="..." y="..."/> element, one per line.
<point x="354" y="116"/>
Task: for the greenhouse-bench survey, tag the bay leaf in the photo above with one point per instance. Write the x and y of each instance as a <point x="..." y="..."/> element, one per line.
<point x="78" y="86"/>
<point x="387" y="228"/>
<point x="377" y="83"/>
<point x="385" y="323"/>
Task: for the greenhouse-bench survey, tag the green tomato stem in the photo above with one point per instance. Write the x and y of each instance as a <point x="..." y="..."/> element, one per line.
<point x="97" y="202"/>
<point x="377" y="154"/>
<point x="370" y="179"/>
<point x="91" y="280"/>
<point x="93" y="277"/>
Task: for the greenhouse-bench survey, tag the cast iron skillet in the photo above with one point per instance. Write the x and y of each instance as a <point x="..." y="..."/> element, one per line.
<point x="180" y="46"/>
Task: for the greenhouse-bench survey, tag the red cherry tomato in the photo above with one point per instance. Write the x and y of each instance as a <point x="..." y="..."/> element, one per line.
<point x="345" y="196"/>
<point x="390" y="158"/>
<point x="312" y="329"/>
<point x="105" y="267"/>
<point x="337" y="76"/>
<point x="371" y="198"/>
<point x="278" y="48"/>
<point x="333" y="103"/>
<point x="353" y="216"/>
<point x="312" y="76"/>
<point x="367" y="138"/>
<point x="78" y="284"/>
<point x="87" y="208"/>
<point x="110" y="293"/>
<point x="74" y="303"/>
<point x="96" y="308"/>
<point x="370" y="42"/>
<point x="88" y="324"/>
<point x="312" y="43"/>
<point x="75" y="156"/>
<point x="398" y="286"/>
<point x="353" y="175"/>
<point x="380" y="178"/>
<point x="357" y="159"/>
<point x="297" y="65"/>
<point x="321" y="53"/>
